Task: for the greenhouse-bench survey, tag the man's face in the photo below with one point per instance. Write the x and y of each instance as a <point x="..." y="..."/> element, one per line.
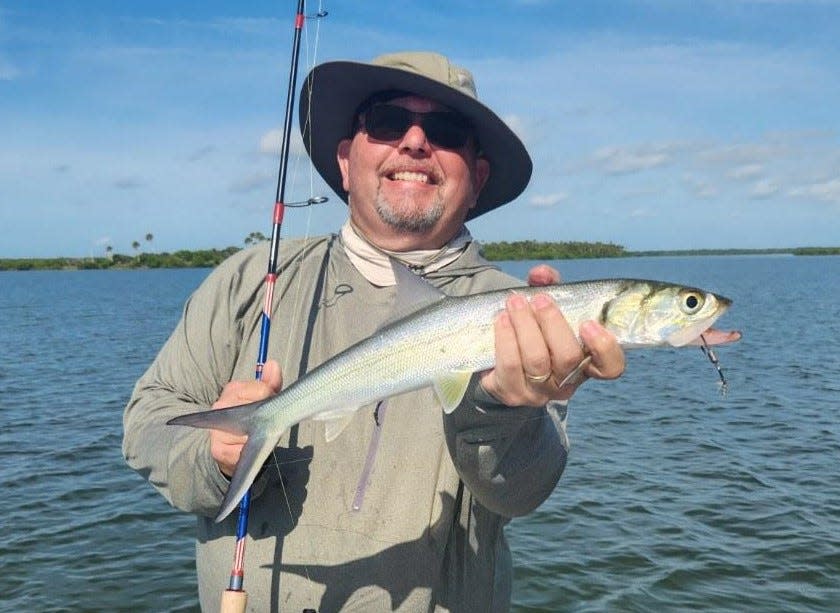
<point x="409" y="192"/>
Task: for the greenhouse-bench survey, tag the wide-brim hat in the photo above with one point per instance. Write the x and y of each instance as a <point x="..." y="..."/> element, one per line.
<point x="333" y="92"/>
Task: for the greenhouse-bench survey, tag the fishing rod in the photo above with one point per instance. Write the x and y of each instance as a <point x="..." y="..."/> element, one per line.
<point x="234" y="598"/>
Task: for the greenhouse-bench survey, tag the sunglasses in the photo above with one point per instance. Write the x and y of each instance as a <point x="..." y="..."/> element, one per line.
<point x="388" y="122"/>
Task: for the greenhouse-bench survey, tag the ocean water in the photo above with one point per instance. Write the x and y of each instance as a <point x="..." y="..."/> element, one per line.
<point x="675" y="497"/>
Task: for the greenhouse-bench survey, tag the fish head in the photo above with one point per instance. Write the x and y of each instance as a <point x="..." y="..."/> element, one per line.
<point x="648" y="313"/>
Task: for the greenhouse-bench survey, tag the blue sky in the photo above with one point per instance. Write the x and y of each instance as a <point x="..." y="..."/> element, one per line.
<point x="654" y="124"/>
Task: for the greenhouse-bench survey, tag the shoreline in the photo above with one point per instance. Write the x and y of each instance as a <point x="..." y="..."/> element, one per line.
<point x="496" y="251"/>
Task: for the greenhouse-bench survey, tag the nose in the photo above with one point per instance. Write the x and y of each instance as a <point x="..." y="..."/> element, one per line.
<point x="415" y="139"/>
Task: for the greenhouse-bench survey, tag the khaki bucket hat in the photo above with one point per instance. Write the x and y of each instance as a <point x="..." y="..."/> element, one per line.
<point x="333" y="92"/>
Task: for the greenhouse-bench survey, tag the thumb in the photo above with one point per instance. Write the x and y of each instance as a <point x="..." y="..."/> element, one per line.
<point x="543" y="274"/>
<point x="272" y="376"/>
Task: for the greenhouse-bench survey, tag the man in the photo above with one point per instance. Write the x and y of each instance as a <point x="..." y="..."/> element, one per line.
<point x="406" y="508"/>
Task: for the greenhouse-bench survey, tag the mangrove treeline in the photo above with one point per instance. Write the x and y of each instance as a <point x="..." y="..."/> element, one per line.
<point x="502" y="251"/>
<point x="202" y="258"/>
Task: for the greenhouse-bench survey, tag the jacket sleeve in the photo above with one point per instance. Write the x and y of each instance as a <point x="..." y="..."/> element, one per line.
<point x="510" y="458"/>
<point x="188" y="374"/>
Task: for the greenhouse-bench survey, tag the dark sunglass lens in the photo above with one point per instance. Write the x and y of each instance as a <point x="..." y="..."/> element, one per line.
<point x="387" y="122"/>
<point x="448" y="130"/>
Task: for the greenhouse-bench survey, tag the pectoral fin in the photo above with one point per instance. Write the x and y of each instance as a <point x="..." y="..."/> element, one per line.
<point x="451" y="388"/>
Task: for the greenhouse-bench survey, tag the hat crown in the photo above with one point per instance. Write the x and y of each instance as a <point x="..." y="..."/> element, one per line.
<point x="432" y="66"/>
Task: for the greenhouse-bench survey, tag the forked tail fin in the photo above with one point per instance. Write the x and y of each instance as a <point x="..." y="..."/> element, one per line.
<point x="236" y="420"/>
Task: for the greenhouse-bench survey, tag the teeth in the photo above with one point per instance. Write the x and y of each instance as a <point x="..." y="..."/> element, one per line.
<point x="410" y="176"/>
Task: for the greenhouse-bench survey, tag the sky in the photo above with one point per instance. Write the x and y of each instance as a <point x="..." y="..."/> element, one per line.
<point x="652" y="124"/>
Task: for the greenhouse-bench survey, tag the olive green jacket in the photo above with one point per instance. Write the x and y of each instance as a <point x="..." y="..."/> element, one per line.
<point x="421" y="530"/>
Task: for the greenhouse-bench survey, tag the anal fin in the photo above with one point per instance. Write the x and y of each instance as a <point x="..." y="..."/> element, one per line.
<point x="336" y="421"/>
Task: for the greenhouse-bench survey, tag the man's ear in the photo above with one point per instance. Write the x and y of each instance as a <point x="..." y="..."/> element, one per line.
<point x="481" y="174"/>
<point x="343" y="158"/>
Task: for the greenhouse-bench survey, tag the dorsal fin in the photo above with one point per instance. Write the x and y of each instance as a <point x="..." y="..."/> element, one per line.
<point x="412" y="292"/>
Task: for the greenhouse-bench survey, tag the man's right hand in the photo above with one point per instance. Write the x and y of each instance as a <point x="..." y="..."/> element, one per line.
<point x="225" y="447"/>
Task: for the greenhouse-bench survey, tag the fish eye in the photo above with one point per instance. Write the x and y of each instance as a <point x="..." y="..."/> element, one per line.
<point x="691" y="302"/>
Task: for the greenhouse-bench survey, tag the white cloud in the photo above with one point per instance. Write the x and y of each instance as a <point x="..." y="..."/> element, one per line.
<point x="270" y="143"/>
<point x="547" y="201"/>
<point x="825" y="191"/>
<point x="746" y="172"/>
<point x="624" y="160"/>
<point x="763" y="190"/>
<point x="701" y="188"/>
<point x="743" y="154"/>
<point x="518" y="124"/>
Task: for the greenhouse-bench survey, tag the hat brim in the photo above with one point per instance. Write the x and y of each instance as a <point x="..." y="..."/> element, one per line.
<point x="334" y="90"/>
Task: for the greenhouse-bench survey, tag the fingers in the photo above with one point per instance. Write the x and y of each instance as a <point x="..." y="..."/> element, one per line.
<point x="272" y="376"/>
<point x="543" y="274"/>
<point x="533" y="344"/>
<point x="607" y="355"/>
<point x="536" y="350"/>
<point x="243" y="392"/>
<point x="225" y="447"/>
<point x="506" y="381"/>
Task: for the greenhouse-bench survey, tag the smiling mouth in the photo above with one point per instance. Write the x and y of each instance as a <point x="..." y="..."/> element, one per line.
<point x="411" y="177"/>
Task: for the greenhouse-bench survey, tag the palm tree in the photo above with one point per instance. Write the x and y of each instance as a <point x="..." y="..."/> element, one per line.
<point x="135" y="245"/>
<point x="255" y="237"/>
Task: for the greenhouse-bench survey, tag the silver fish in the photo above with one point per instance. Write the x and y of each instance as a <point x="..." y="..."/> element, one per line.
<point x="442" y="345"/>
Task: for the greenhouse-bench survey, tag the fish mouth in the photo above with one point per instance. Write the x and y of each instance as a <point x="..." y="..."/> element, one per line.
<point x="713" y="336"/>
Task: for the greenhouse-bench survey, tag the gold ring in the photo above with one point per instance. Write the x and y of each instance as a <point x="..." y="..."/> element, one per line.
<point x="540" y="379"/>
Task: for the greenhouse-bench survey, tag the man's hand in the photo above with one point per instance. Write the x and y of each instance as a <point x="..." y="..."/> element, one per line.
<point x="536" y="349"/>
<point x="225" y="447"/>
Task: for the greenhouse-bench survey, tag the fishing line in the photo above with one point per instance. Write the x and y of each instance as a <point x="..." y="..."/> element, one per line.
<point x="709" y="353"/>
<point x="286" y="498"/>
<point x="297" y="306"/>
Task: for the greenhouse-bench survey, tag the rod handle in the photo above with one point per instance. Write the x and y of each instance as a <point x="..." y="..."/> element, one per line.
<point x="234" y="601"/>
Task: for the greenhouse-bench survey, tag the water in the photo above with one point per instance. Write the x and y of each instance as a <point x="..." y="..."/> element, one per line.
<point x="674" y="498"/>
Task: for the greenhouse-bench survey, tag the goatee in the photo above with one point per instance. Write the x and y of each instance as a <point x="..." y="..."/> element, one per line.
<point x="407" y="217"/>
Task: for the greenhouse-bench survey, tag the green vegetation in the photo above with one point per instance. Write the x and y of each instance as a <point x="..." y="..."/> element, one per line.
<point x="816" y="251"/>
<point x="533" y="250"/>
<point x="517" y="250"/>
<point x="204" y="258"/>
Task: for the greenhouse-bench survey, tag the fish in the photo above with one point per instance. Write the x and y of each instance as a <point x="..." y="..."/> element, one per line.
<point x="442" y="344"/>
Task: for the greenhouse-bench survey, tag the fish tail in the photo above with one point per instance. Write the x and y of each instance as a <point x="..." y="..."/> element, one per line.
<point x="241" y="420"/>
<point x="235" y="420"/>
<point x="254" y="454"/>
